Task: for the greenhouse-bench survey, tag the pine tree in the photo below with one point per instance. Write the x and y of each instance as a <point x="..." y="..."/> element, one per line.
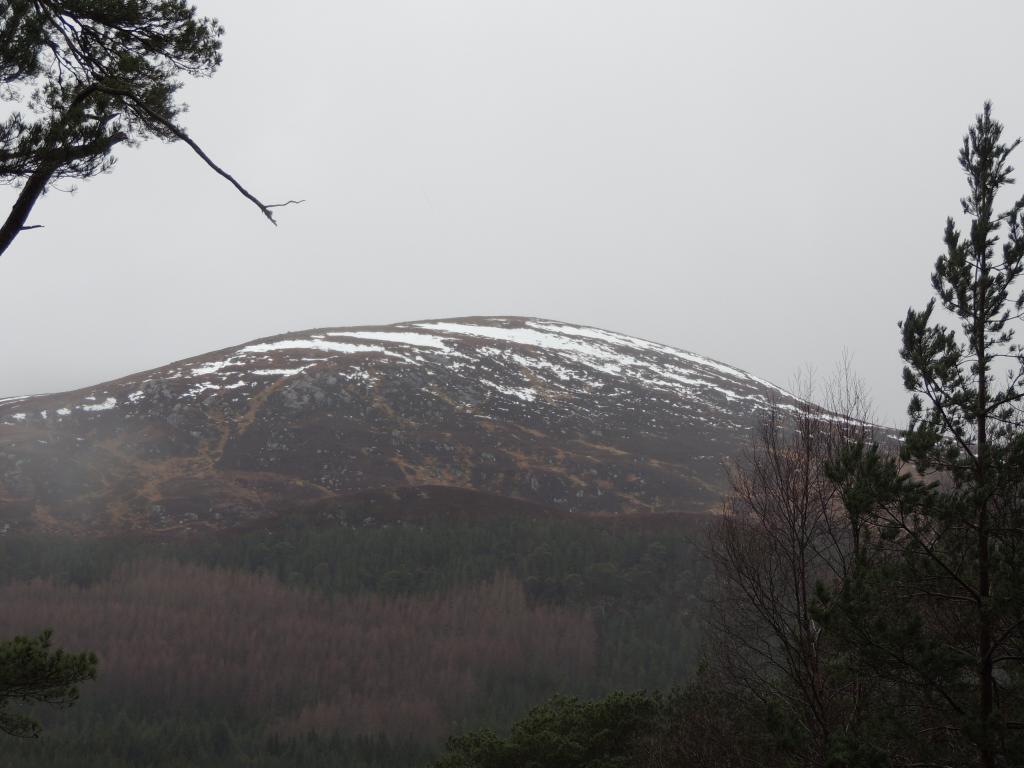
<point x="933" y="611"/>
<point x="80" y="78"/>
<point x="32" y="672"/>
<point x="967" y="434"/>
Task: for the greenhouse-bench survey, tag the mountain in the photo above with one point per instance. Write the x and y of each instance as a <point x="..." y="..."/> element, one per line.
<point x="552" y="414"/>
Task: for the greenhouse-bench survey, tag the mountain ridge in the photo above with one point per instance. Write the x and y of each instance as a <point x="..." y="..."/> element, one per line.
<point x="4" y="400"/>
<point x="566" y="416"/>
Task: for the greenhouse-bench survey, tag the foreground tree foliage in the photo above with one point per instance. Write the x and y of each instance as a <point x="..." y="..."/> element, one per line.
<point x="934" y="611"/>
<point x="614" y="732"/>
<point x="876" y="605"/>
<point x="31" y="671"/>
<point x="964" y="551"/>
<point x="940" y="574"/>
<point x="82" y="77"/>
<point x="698" y="726"/>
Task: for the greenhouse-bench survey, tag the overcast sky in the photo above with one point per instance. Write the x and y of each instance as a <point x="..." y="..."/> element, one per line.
<point x="762" y="183"/>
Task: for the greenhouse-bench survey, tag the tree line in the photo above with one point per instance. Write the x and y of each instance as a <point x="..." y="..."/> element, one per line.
<point x="177" y="638"/>
<point x="392" y="632"/>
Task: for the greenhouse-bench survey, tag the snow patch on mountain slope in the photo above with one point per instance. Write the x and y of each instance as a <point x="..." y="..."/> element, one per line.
<point x="279" y="371"/>
<point x="397" y="337"/>
<point x="106" y="405"/>
<point x="595" y="356"/>
<point x="316" y="344"/>
<point x="661" y="349"/>
<point x="522" y="393"/>
<point x="610" y="353"/>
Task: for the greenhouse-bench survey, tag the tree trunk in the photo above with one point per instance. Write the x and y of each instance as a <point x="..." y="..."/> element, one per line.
<point x="985" y="681"/>
<point x="34" y="187"/>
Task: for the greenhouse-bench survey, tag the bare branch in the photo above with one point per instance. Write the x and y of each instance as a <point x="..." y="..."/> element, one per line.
<point x="181" y="134"/>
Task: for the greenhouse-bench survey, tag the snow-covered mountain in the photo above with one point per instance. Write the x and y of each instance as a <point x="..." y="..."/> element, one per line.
<point x="569" y="417"/>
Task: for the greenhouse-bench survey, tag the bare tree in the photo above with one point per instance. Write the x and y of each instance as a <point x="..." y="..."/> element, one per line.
<point x="782" y="535"/>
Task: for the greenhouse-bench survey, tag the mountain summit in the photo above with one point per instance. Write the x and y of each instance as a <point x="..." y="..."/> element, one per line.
<point x="564" y="416"/>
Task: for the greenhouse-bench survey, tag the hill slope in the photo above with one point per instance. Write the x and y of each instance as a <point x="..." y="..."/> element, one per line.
<point x="559" y="415"/>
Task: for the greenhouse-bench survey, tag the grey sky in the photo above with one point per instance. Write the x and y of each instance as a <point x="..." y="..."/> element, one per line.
<point x="763" y="183"/>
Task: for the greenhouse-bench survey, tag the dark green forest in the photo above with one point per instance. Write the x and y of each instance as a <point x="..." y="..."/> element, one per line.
<point x="249" y="648"/>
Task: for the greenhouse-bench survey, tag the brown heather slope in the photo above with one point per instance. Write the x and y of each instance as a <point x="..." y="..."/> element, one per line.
<point x="562" y="416"/>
